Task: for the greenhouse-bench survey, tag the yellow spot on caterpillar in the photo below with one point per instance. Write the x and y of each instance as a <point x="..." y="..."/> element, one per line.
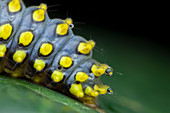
<point x="26" y="38"/>
<point x="68" y="21"/>
<point x="99" y="70"/>
<point x="46" y="49"/>
<point x="39" y="15"/>
<point x="65" y="61"/>
<point x="101" y="89"/>
<point x="77" y="90"/>
<point x="19" y="56"/>
<point x="43" y="6"/>
<point x="5" y="31"/>
<point x="62" y="29"/>
<point x="57" y="76"/>
<point x="89" y="91"/>
<point x="81" y="76"/>
<point x="94" y="93"/>
<point x="85" y="48"/>
<point x="14" y="6"/>
<point x="2" y="50"/>
<point x="39" y="64"/>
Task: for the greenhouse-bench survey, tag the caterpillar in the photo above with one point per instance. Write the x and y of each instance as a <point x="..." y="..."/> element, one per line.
<point x="47" y="52"/>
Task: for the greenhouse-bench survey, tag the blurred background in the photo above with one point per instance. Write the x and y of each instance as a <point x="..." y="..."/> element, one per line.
<point x="132" y="38"/>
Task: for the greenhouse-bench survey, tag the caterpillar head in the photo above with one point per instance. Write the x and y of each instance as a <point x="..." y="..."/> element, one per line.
<point x="85" y="82"/>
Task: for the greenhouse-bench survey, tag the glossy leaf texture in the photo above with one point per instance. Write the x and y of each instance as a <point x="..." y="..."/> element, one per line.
<point x="22" y="96"/>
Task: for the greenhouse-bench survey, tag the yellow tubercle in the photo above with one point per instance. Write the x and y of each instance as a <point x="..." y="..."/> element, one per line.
<point x="39" y="15"/>
<point x="91" y="42"/>
<point x="19" y="56"/>
<point x="39" y="64"/>
<point x="14" y="6"/>
<point x="66" y="61"/>
<point x="89" y="91"/>
<point x="85" y="48"/>
<point x="68" y="21"/>
<point x="26" y="38"/>
<point x="101" y="89"/>
<point x="99" y="70"/>
<point x="46" y="49"/>
<point x="2" y="50"/>
<point x="5" y="31"/>
<point x="94" y="93"/>
<point x="43" y="6"/>
<point x="57" y="76"/>
<point x="81" y="76"/>
<point x="62" y="29"/>
<point x="77" y="90"/>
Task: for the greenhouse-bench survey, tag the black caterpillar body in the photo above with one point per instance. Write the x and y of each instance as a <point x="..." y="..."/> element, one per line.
<point x="46" y="51"/>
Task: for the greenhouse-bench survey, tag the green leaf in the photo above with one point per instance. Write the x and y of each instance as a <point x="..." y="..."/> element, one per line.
<point x="22" y="96"/>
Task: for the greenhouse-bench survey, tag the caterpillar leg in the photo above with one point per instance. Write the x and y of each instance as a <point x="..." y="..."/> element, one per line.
<point x="18" y="72"/>
<point x="39" y="78"/>
<point x="1" y="69"/>
<point x="15" y="73"/>
<point x="89" y="101"/>
<point x="1" y="66"/>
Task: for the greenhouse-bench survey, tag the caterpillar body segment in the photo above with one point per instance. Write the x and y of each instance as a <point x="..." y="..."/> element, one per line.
<point x="1" y="2"/>
<point x="67" y="60"/>
<point x="9" y="23"/>
<point x="47" y="47"/>
<point x="46" y="51"/>
<point x="90" y="87"/>
<point x="25" y="39"/>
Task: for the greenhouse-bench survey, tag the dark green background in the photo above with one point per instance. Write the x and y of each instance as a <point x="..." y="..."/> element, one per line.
<point x="130" y="39"/>
<point x="141" y="77"/>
